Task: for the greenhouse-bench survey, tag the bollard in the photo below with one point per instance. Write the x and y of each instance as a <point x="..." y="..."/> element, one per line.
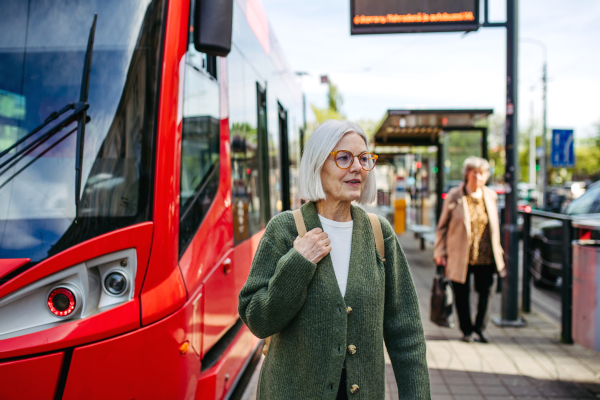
<point x="400" y="216"/>
<point x="526" y="283"/>
<point x="567" y="284"/>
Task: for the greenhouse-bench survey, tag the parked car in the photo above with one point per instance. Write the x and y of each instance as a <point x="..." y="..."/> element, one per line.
<point x="546" y="258"/>
<point x="528" y="194"/>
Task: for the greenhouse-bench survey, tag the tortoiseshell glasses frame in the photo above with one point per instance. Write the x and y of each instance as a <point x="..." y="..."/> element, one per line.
<point x="344" y="159"/>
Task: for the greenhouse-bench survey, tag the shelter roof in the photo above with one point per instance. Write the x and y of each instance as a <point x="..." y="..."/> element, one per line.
<point x="423" y="127"/>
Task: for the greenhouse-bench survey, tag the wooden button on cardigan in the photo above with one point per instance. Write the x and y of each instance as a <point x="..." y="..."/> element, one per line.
<point x="299" y="304"/>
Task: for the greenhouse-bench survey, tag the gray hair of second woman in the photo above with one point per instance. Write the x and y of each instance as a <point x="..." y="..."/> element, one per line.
<point x="318" y="147"/>
<point x="472" y="163"/>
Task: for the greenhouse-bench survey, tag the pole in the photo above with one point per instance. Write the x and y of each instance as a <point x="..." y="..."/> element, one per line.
<point x="303" y="130"/>
<point x="440" y="178"/>
<point x="484" y="143"/>
<point x="532" y="149"/>
<point x="510" y="287"/>
<point x="544" y="159"/>
<point x="420" y="188"/>
<point x="526" y="289"/>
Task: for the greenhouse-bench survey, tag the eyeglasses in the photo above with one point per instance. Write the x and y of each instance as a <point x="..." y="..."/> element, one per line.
<point x="344" y="159"/>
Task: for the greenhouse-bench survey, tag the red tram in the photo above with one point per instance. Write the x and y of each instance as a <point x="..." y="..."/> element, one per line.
<point x="142" y="152"/>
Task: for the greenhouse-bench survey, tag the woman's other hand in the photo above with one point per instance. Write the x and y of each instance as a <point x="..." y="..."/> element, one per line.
<point x="314" y="245"/>
<point x="440" y="261"/>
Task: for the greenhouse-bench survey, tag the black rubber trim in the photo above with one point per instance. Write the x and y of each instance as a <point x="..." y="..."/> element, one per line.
<point x="64" y="374"/>
<point x="215" y="353"/>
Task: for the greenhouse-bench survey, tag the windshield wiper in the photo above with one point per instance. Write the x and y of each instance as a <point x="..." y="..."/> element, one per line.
<point x="24" y="151"/>
<point x="79" y="114"/>
<point x="83" y="98"/>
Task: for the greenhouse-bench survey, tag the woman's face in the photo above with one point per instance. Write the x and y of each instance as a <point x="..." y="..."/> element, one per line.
<point x="477" y="178"/>
<point x="345" y="184"/>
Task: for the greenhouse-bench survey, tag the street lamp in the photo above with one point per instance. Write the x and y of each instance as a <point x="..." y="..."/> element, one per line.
<point x="543" y="166"/>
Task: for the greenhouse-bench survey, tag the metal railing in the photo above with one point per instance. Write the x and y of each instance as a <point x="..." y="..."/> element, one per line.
<point x="566" y="270"/>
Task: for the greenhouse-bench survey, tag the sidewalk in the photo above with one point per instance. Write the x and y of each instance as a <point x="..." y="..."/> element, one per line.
<point x="518" y="363"/>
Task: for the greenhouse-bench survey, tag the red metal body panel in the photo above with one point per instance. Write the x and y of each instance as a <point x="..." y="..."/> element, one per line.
<point x="220" y="304"/>
<point x="217" y="382"/>
<point x="144" y="364"/>
<point x="163" y="291"/>
<point x="147" y="364"/>
<point x="242" y="259"/>
<point x="34" y="378"/>
<point x="108" y="323"/>
<point x="8" y="265"/>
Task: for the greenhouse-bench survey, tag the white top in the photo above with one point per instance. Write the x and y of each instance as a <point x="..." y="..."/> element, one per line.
<point x="340" y="234"/>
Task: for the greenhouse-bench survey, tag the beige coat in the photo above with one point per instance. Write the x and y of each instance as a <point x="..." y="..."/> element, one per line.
<point x="454" y="231"/>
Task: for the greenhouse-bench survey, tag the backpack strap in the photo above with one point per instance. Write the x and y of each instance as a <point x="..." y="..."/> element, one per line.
<point x="300" y="226"/>
<point x="379" y="243"/>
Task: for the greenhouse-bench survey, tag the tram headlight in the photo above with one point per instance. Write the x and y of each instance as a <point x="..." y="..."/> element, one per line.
<point x="116" y="282"/>
<point x="62" y="301"/>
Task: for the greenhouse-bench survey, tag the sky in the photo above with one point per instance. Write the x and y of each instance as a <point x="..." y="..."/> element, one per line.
<point x="375" y="73"/>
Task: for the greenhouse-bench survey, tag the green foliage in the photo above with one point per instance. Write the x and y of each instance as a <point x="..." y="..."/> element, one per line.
<point x="524" y="154"/>
<point x="587" y="160"/>
<point x="496" y="153"/>
<point x="369" y="126"/>
<point x="587" y="157"/>
<point x="334" y="104"/>
<point x="497" y="159"/>
<point x="335" y="100"/>
<point x="323" y="114"/>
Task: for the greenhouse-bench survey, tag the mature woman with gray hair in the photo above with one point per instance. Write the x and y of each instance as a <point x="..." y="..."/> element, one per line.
<point x="468" y="242"/>
<point x="328" y="299"/>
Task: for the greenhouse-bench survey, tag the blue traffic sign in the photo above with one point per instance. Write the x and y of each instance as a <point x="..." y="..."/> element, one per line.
<point x="563" y="153"/>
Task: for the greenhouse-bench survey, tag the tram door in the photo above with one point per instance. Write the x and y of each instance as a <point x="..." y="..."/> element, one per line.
<point x="285" y="159"/>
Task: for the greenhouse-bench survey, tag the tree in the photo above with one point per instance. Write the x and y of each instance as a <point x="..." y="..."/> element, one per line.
<point x="587" y="158"/>
<point x="334" y="104"/>
<point x="369" y="126"/>
<point x="334" y="98"/>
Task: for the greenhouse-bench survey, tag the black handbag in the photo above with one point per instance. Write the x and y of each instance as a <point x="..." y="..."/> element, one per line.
<point x="442" y="298"/>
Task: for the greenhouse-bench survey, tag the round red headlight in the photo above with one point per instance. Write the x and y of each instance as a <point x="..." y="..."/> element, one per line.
<point x="61" y="302"/>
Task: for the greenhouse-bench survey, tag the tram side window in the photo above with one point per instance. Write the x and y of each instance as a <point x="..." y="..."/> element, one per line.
<point x="200" y="143"/>
<point x="249" y="163"/>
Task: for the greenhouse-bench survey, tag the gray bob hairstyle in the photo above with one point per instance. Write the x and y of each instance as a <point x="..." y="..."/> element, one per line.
<point x="478" y="163"/>
<point x="320" y="145"/>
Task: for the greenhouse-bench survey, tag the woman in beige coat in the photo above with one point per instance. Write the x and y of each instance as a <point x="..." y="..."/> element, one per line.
<point x="468" y="242"/>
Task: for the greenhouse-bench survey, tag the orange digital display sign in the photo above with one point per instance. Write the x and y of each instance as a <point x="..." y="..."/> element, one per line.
<point x="400" y="16"/>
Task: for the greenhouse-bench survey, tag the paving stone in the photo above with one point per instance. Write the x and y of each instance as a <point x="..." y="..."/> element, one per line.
<point x="439" y="389"/>
<point x="463" y="390"/>
<point x="521" y="391"/>
<point x="485" y="382"/>
<point x="494" y="391"/>
<point x="441" y="397"/>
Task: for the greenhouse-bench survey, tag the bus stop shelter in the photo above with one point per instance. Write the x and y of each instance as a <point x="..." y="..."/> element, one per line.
<point x="400" y="128"/>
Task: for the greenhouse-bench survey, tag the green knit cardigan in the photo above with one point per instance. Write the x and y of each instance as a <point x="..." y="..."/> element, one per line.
<point x="300" y="305"/>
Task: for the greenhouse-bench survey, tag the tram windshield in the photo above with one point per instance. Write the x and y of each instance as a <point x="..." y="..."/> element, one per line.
<point x="42" y="51"/>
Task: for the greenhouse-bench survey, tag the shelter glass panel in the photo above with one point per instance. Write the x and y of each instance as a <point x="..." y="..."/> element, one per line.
<point x="458" y="146"/>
